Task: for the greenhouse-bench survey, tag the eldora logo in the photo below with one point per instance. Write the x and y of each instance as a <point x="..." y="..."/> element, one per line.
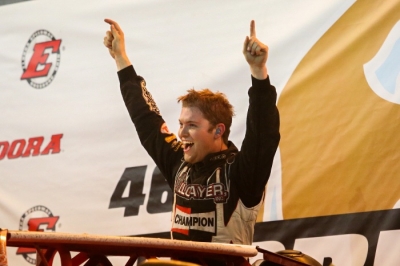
<point x="37" y="218"/>
<point x="41" y="59"/>
<point x="31" y="147"/>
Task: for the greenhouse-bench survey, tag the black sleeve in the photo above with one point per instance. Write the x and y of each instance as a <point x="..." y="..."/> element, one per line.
<point x="153" y="133"/>
<point x="254" y="161"/>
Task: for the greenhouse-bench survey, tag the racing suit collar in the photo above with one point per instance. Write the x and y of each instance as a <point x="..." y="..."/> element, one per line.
<point x="216" y="157"/>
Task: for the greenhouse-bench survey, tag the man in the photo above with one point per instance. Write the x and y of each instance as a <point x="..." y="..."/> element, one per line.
<point x="218" y="190"/>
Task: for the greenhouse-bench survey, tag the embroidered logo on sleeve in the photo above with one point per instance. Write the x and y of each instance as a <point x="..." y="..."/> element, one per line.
<point x="184" y="221"/>
<point x="148" y="98"/>
<point x="164" y="129"/>
<point x="171" y="138"/>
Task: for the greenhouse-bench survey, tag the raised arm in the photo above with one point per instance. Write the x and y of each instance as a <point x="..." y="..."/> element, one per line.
<point x="115" y="42"/>
<point x="256" y="54"/>
<point x="254" y="162"/>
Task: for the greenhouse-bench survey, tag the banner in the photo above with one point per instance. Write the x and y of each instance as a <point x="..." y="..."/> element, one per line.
<point x="70" y="159"/>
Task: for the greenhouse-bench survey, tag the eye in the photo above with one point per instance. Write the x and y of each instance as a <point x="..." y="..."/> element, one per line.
<point x="192" y="125"/>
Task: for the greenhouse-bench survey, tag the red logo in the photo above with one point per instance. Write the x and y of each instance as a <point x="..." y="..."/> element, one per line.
<point x="43" y="52"/>
<point x="37" y="218"/>
<point x="31" y="147"/>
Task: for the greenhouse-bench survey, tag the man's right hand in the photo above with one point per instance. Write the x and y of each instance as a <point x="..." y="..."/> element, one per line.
<point x="115" y="42"/>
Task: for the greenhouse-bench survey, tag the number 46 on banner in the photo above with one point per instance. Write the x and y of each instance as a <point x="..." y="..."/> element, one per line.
<point x="134" y="178"/>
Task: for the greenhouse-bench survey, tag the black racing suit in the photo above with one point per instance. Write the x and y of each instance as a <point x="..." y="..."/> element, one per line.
<point x="217" y="199"/>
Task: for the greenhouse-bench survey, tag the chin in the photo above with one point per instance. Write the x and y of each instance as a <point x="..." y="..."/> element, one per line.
<point x="189" y="159"/>
<point x="186" y="158"/>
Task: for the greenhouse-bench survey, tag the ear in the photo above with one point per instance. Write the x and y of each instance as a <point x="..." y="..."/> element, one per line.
<point x="219" y="130"/>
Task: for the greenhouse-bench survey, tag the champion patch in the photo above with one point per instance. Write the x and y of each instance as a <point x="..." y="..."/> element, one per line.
<point x="184" y="221"/>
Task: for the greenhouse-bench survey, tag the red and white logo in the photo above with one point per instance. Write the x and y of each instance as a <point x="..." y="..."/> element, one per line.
<point x="31" y="147"/>
<point x="185" y="220"/>
<point x="41" y="59"/>
<point x="37" y="218"/>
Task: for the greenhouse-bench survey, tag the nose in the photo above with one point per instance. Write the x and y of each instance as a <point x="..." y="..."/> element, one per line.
<point x="183" y="131"/>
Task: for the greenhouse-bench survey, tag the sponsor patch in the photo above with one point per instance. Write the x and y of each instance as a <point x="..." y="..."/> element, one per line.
<point x="148" y="98"/>
<point x="164" y="129"/>
<point x="184" y="221"/>
<point x="175" y="145"/>
<point x="215" y="191"/>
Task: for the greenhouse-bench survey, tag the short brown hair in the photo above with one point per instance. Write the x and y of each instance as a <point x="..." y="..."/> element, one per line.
<point x="214" y="106"/>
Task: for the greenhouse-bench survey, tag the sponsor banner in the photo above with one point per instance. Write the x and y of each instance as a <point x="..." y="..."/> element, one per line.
<point x="338" y="130"/>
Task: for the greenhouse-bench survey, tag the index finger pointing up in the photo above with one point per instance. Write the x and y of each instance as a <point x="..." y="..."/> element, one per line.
<point x="112" y="22"/>
<point x="252" y="29"/>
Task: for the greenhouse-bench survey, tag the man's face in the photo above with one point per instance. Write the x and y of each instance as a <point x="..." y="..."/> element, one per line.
<point x="197" y="137"/>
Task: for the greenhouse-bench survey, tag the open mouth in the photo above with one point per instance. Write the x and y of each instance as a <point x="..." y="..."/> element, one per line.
<point x="186" y="145"/>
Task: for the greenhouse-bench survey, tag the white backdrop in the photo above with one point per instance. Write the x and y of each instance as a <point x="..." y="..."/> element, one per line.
<point x="175" y="46"/>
